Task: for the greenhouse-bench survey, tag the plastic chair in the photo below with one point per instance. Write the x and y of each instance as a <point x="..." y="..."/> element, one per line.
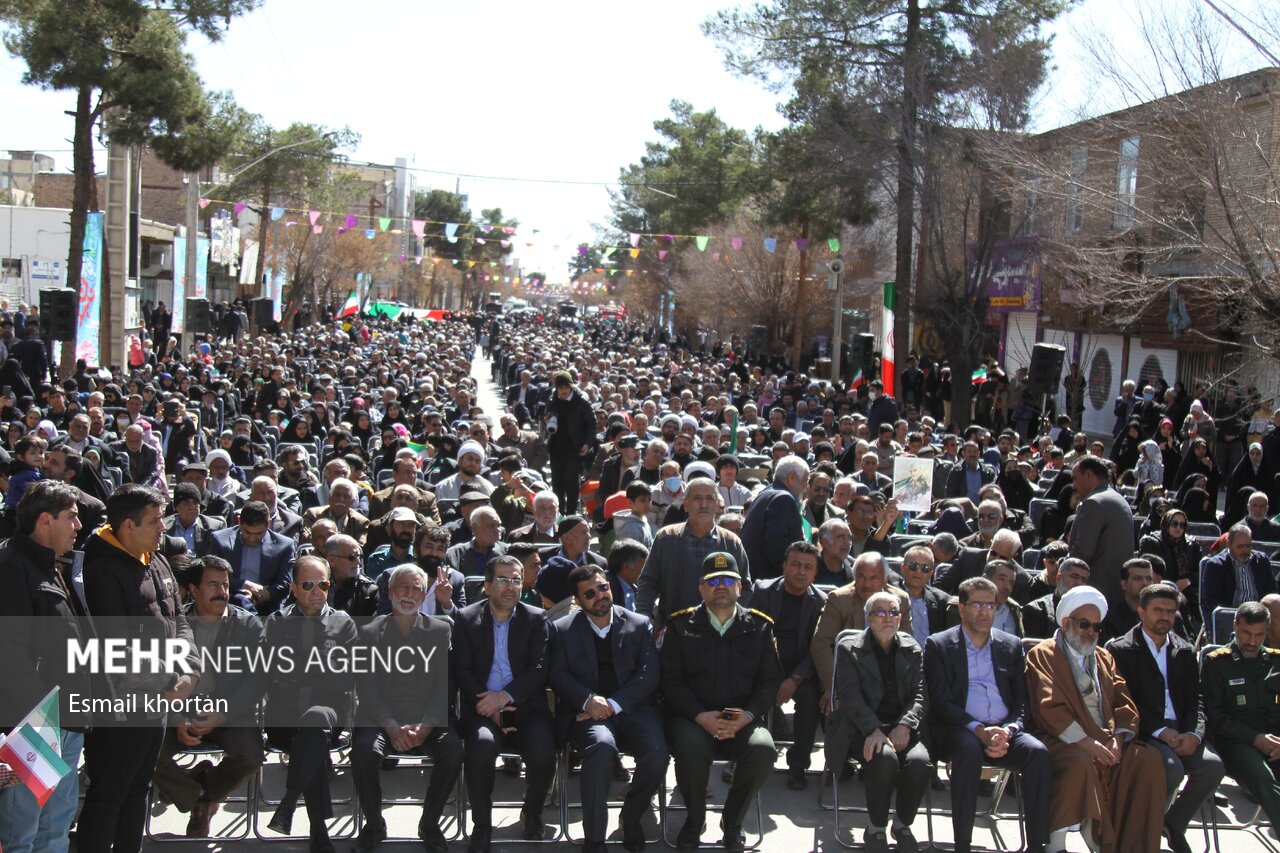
<point x="1222" y="627"/>
<point x="1203" y="528"/>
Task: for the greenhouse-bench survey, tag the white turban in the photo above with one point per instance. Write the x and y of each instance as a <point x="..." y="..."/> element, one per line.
<point x="699" y="467"/>
<point x="471" y="447"/>
<point x="217" y="454"/>
<point x="1078" y="597"/>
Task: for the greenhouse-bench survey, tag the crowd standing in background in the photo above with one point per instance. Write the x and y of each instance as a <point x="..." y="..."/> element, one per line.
<point x="694" y="553"/>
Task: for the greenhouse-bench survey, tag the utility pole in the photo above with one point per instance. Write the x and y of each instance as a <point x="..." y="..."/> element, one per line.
<point x="835" y="282"/>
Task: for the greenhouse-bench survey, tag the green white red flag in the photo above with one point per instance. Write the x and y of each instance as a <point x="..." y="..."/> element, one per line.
<point x="887" y="373"/>
<point x="33" y="749"/>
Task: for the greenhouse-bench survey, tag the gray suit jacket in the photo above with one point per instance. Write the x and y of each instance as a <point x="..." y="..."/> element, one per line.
<point x="670" y="578"/>
<point x="859" y="690"/>
<point x="1102" y="536"/>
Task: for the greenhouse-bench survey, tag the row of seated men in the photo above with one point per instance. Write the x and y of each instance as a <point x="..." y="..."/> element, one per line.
<point x="722" y="670"/>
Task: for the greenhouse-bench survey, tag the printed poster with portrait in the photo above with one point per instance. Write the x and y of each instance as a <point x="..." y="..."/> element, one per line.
<point x="912" y="483"/>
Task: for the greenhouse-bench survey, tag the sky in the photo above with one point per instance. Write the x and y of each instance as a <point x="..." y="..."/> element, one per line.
<point x="531" y="107"/>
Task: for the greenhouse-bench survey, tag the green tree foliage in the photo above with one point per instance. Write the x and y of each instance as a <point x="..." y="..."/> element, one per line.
<point x="126" y="64"/>
<point x="697" y="174"/>
<point x="478" y="241"/>
<point x="889" y="66"/>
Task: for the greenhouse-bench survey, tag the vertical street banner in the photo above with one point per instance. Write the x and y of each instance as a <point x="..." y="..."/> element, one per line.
<point x="200" y="288"/>
<point x="87" y="318"/>
<point x="887" y="373"/>
<point x="178" y="311"/>
<point x="277" y="295"/>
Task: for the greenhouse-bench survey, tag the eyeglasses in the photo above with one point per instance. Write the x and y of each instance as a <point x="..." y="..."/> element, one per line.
<point x="723" y="580"/>
<point x="982" y="605"/>
<point x="590" y="594"/>
<point x="918" y="567"/>
<point x="507" y="581"/>
<point x="886" y="614"/>
<point x="352" y="557"/>
<point x="307" y="586"/>
<point x="1086" y="625"/>
<point x="988" y="516"/>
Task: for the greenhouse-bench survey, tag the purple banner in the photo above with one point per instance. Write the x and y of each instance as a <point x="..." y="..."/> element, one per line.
<point x="1010" y="274"/>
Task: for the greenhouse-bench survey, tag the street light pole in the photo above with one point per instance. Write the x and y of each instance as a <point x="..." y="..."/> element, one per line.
<point x="835" y="281"/>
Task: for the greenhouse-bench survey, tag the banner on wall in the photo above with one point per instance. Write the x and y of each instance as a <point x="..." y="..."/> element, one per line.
<point x="87" y="319"/>
<point x="178" y="311"/>
<point x="199" y="290"/>
<point x="277" y="295"/>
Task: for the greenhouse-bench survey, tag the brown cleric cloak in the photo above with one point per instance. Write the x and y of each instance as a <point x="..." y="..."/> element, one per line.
<point x="1128" y="813"/>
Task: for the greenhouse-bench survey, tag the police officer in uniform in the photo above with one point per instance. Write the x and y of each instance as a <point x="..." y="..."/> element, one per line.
<point x="720" y="675"/>
<point x="1241" y="688"/>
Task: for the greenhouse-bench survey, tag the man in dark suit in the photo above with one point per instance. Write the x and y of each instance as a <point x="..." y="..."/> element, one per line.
<point x="928" y="603"/>
<point x="406" y="711"/>
<point x="1221" y="574"/>
<point x="500" y="650"/>
<point x="1164" y="680"/>
<point x="263" y="560"/>
<point x="773" y="521"/>
<point x="188" y="523"/>
<point x="970" y="474"/>
<point x="523" y="394"/>
<point x="604" y="669"/>
<point x="1102" y="534"/>
<point x="1038" y="617"/>
<point x="794" y="604"/>
<point x="978" y="705"/>
<point x="139" y="460"/>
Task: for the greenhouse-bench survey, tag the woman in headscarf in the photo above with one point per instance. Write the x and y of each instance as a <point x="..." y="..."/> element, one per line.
<point x="1125" y="451"/>
<point x="1199" y="507"/>
<point x="1018" y="492"/>
<point x="1181" y="555"/>
<point x="1199" y="423"/>
<point x="151" y="437"/>
<point x="1200" y="461"/>
<point x="1057" y="519"/>
<point x="11" y="375"/>
<point x="1237" y="506"/>
<point x="1249" y="472"/>
<point x="298" y="431"/>
<point x="362" y="428"/>
<point x="1150" y="467"/>
<point x="1166" y="439"/>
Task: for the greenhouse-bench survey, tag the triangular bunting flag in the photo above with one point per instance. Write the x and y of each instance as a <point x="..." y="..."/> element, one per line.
<point x="240" y="206"/>
<point x="317" y="229"/>
<point x="352" y="219"/>
<point x="450" y="229"/>
<point x="833" y="243"/>
<point x="635" y="253"/>
<point x="315" y="215"/>
<point x="635" y="239"/>
<point x="608" y="253"/>
<point x="204" y="202"/>
<point x="384" y="222"/>
<point x="801" y="243"/>
<point x="662" y="254"/>
<point x="276" y="213"/>
<point x="369" y="233"/>
<point x="736" y="242"/>
<point x="419" y="227"/>
<point x="770" y="244"/>
<point x="701" y="240"/>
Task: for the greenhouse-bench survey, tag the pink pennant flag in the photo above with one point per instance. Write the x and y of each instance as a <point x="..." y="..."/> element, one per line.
<point x="419" y="227"/>
<point x="315" y="216"/>
<point x="635" y="239"/>
<point x="507" y="229"/>
<point x="662" y="254"/>
<point x="737" y="242"/>
<point x="352" y="219"/>
<point x="240" y="206"/>
<point x="506" y="244"/>
<point x="317" y="229"/>
<point x="204" y="202"/>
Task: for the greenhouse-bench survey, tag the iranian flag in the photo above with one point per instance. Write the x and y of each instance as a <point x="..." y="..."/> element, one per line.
<point x="32" y="750"/>
<point x="887" y="372"/>
<point x="351" y="306"/>
<point x="420" y="449"/>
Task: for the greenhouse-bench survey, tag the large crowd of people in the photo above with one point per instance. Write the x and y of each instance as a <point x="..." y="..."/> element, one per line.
<point x="648" y="548"/>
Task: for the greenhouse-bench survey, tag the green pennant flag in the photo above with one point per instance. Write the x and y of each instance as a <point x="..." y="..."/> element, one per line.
<point x="609" y="251"/>
<point x="384" y="222"/>
<point x="833" y="243"/>
<point x="701" y="240"/>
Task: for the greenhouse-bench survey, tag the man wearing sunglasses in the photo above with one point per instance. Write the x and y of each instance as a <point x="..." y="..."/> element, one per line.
<point x="306" y="706"/>
<point x="878" y="716"/>
<point x="1105" y="783"/>
<point x="720" y="677"/>
<point x="604" y="669"/>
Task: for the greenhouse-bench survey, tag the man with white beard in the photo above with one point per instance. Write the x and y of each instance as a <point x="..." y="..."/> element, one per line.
<point x="1105" y="784"/>
<point x="403" y="713"/>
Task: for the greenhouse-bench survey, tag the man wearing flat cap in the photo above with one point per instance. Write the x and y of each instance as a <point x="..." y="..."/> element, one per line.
<point x="1106" y="783"/>
<point x="720" y="676"/>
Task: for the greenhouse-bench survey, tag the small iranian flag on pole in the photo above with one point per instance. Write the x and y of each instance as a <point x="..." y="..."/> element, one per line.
<point x="32" y="750"/>
<point x="351" y="306"/>
<point x="887" y="372"/>
<point x="420" y="449"/>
